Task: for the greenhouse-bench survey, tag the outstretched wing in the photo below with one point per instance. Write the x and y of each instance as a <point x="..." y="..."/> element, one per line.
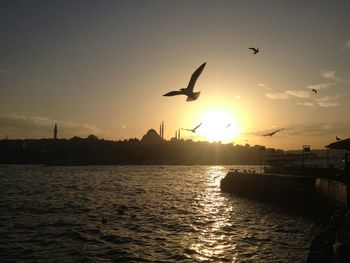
<point x="252" y="48"/>
<point x="272" y="133"/>
<point x="278" y="130"/>
<point x="195" y="76"/>
<point x="173" y="93"/>
<point x="186" y="129"/>
<point x="194" y="129"/>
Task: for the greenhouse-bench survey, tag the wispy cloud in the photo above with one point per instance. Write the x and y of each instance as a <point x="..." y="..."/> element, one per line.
<point x="320" y="86"/>
<point x="307" y="104"/>
<point x="327" y="101"/>
<point x="19" y="126"/>
<point x="299" y="93"/>
<point x="307" y="129"/>
<point x="277" y="96"/>
<point x="263" y="85"/>
<point x="330" y="75"/>
<point x="327" y="104"/>
<point x="346" y="45"/>
<point x="318" y="129"/>
<point x="324" y="102"/>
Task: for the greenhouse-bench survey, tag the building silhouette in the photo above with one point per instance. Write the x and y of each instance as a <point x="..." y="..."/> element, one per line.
<point x="151" y="137"/>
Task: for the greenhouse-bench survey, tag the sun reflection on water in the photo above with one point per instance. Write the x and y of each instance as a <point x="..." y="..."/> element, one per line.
<point x="212" y="242"/>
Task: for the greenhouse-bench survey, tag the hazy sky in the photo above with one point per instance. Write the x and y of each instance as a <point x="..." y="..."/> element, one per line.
<point x="101" y="67"/>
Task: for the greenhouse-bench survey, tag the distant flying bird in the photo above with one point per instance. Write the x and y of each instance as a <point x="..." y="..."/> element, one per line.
<point x="189" y="90"/>
<point x="337" y="138"/>
<point x="272" y="133"/>
<point x="256" y="50"/>
<point x="314" y="90"/>
<point x="194" y="129"/>
<point x="228" y="125"/>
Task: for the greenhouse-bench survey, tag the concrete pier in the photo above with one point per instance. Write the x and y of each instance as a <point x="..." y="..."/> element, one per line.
<point x="291" y="191"/>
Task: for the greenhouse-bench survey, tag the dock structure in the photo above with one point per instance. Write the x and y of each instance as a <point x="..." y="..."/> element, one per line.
<point x="291" y="191"/>
<point x="337" y="188"/>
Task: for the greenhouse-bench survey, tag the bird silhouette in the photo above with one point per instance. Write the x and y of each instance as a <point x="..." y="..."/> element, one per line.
<point x="256" y="50"/>
<point x="194" y="129"/>
<point x="314" y="90"/>
<point x="228" y="125"/>
<point x="337" y="138"/>
<point x="272" y="133"/>
<point x="189" y="90"/>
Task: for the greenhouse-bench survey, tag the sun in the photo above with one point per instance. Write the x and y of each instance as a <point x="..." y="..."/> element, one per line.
<point x="219" y="125"/>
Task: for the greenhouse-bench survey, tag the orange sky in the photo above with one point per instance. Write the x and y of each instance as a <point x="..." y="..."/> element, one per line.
<point x="102" y="68"/>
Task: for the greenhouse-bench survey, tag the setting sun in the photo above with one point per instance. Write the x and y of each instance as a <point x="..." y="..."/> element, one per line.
<point x="218" y="125"/>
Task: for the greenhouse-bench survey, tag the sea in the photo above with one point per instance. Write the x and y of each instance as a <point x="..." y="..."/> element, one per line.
<point x="141" y="214"/>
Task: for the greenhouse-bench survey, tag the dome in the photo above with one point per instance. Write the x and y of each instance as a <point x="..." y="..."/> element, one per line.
<point x="151" y="137"/>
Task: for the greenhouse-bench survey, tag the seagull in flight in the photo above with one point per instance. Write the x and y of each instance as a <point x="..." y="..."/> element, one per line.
<point x="337" y="138"/>
<point x="272" y="133"/>
<point x="256" y="50"/>
<point x="194" y="129"/>
<point x="189" y="90"/>
<point x="314" y="90"/>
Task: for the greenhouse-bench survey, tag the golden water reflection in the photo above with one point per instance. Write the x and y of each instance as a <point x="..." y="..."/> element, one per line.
<point x="212" y="242"/>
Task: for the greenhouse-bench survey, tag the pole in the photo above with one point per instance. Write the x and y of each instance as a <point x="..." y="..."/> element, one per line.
<point x="260" y="157"/>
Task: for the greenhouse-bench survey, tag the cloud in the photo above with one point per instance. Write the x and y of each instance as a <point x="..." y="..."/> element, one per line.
<point x="19" y="126"/>
<point x="307" y="104"/>
<point x="299" y="93"/>
<point x="318" y="129"/>
<point x="324" y="102"/>
<point x="329" y="74"/>
<point x="328" y="101"/>
<point x="327" y="104"/>
<point x="277" y="96"/>
<point x="327" y="127"/>
<point x="320" y="86"/>
<point x="262" y="85"/>
<point x="346" y="45"/>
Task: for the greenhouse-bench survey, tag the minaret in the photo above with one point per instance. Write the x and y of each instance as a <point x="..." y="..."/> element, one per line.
<point x="178" y="135"/>
<point x="55" y="132"/>
<point x="175" y="134"/>
<point x="162" y="129"/>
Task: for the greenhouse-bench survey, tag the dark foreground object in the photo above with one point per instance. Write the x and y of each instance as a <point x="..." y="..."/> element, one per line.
<point x="295" y="192"/>
<point x="298" y="193"/>
<point x="332" y="244"/>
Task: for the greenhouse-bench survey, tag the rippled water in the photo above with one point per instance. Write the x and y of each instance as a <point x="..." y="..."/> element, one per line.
<point x="140" y="214"/>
